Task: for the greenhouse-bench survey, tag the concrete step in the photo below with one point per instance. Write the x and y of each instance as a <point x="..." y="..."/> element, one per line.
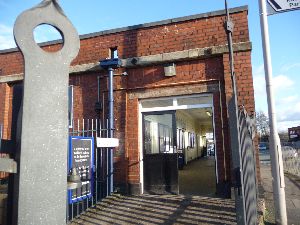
<point x="160" y="209"/>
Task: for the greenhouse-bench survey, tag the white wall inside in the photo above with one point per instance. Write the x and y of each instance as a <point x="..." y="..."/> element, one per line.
<point x="193" y="125"/>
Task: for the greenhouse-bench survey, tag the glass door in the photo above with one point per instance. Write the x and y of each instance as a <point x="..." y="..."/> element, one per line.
<point x="160" y="153"/>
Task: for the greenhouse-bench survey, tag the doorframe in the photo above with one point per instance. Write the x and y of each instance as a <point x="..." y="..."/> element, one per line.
<point x="174" y="107"/>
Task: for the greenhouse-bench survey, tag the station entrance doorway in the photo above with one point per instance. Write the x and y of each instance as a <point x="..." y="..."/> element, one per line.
<point x="178" y="146"/>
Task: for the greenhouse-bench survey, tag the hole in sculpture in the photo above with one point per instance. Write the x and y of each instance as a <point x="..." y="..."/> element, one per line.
<point x="45" y="33"/>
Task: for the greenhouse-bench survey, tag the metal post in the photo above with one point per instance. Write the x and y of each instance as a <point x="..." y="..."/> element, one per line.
<point x="98" y="89"/>
<point x="110" y="65"/>
<point x="110" y="126"/>
<point x="235" y="130"/>
<point x="275" y="147"/>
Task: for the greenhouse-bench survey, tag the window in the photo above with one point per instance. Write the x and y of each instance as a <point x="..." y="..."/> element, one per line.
<point x="158" y="133"/>
<point x="148" y="137"/>
<point x="157" y="103"/>
<point x="191" y="137"/>
<point x="165" y="138"/>
<point x="113" y="53"/>
<point x="194" y="100"/>
<point x="180" y="139"/>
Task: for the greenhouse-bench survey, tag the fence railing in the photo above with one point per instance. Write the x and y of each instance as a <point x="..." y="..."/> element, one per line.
<point x="91" y="128"/>
<point x="291" y="160"/>
<point x="248" y="169"/>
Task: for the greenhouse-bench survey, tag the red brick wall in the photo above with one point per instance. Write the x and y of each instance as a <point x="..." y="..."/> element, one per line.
<point x="126" y="110"/>
<point x="221" y="135"/>
<point x="85" y="95"/>
<point x="5" y="116"/>
<point x="244" y="81"/>
<point x="245" y="89"/>
<point x="197" y="33"/>
<point x="2" y="102"/>
<point x="171" y="37"/>
<point x="6" y="109"/>
<point x="2" y="106"/>
<point x="132" y="141"/>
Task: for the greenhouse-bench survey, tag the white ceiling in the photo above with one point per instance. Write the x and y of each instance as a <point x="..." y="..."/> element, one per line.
<point x="200" y="116"/>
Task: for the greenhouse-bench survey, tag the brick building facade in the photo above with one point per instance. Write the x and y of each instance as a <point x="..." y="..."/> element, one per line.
<point x="196" y="44"/>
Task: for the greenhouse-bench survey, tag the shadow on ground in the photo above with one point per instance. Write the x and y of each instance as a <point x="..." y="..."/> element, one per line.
<point x="292" y="196"/>
<point x="160" y="209"/>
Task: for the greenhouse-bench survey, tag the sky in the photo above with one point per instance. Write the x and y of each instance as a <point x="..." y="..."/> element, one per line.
<point x="95" y="15"/>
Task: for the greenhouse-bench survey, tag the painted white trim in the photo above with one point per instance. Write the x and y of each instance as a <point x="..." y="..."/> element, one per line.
<point x="166" y="108"/>
<point x="215" y="144"/>
<point x="175" y="103"/>
<point x="176" y="97"/>
<point x="141" y="160"/>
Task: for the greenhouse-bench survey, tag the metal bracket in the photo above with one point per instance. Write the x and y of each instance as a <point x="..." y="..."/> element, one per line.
<point x="237" y="179"/>
<point x="229" y="25"/>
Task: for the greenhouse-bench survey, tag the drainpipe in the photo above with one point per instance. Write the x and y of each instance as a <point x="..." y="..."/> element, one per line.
<point x="110" y="125"/>
<point x="110" y="65"/>
<point x="98" y="107"/>
<point x="98" y="89"/>
<point x="222" y="123"/>
<point x="235" y="130"/>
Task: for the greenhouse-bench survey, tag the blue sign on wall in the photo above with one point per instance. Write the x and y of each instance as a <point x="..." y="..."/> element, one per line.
<point x="81" y="157"/>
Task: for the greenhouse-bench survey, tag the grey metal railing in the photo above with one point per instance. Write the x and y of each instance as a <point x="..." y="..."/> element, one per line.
<point x="291" y="160"/>
<point x="91" y="128"/>
<point x="248" y="169"/>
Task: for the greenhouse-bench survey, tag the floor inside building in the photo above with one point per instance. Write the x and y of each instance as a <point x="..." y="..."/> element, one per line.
<point x="198" y="177"/>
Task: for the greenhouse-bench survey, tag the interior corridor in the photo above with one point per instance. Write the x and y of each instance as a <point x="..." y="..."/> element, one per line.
<point x="198" y="177"/>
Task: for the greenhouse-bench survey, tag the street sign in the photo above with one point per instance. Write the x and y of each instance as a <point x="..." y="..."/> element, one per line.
<point x="284" y="5"/>
<point x="107" y="142"/>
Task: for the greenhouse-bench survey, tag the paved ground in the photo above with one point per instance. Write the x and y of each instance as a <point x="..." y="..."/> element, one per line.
<point x="160" y="209"/>
<point x="198" y="178"/>
<point x="292" y="192"/>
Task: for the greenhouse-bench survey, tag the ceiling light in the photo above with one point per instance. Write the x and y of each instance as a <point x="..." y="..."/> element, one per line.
<point x="208" y="113"/>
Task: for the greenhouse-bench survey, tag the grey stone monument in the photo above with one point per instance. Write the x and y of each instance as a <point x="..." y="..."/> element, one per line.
<point x="42" y="169"/>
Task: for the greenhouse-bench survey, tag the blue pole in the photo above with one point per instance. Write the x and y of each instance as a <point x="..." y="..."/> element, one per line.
<point x="110" y="127"/>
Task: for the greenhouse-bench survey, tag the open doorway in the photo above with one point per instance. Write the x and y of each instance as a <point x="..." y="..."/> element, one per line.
<point x="196" y="152"/>
<point x="178" y="152"/>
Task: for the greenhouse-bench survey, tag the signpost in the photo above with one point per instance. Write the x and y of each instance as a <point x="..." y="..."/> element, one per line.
<point x="284" y="5"/>
<point x="275" y="146"/>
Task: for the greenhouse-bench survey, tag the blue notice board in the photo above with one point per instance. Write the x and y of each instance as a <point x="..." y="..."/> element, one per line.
<point x="81" y="157"/>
